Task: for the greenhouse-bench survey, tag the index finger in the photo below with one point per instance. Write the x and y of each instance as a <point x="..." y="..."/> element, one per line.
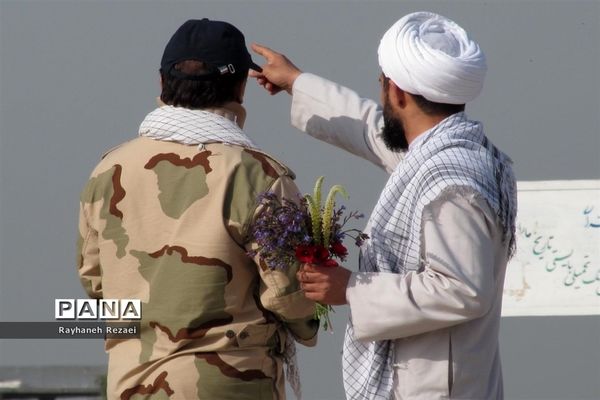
<point x="264" y="51"/>
<point x="316" y="270"/>
<point x="313" y="268"/>
<point x="310" y="277"/>
<point x="255" y="74"/>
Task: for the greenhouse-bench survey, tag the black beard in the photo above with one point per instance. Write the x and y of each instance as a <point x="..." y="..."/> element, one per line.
<point x="393" y="131"/>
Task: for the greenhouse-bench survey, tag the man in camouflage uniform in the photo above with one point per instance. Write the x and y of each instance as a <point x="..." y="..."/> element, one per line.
<point x="165" y="218"/>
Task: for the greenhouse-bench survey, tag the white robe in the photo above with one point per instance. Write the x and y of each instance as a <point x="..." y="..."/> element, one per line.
<point x="444" y="319"/>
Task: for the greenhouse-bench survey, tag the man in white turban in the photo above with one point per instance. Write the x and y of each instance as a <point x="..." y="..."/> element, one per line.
<point x="425" y="304"/>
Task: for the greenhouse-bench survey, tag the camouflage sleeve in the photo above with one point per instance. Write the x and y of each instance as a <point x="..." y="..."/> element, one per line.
<point x="88" y="260"/>
<point x="280" y="290"/>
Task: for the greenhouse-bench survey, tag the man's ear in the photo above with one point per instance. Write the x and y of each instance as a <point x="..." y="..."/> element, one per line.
<point x="241" y="90"/>
<point x="396" y="95"/>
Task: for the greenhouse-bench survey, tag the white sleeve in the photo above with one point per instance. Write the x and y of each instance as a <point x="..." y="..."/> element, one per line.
<point x="457" y="284"/>
<point x="339" y="116"/>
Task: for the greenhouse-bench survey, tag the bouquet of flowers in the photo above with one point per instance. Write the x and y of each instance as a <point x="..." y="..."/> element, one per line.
<point x="305" y="231"/>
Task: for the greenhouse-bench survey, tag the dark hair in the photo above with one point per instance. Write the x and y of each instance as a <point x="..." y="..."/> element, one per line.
<point x="431" y="108"/>
<point x="199" y="93"/>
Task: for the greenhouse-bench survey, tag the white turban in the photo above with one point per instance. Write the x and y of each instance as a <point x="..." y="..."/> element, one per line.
<point x="429" y="55"/>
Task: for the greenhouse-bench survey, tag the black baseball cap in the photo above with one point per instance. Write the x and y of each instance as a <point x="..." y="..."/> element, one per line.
<point x="218" y="44"/>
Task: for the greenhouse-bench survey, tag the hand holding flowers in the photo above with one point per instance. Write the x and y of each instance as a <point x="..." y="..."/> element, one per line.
<point x="324" y="285"/>
<point x="288" y="232"/>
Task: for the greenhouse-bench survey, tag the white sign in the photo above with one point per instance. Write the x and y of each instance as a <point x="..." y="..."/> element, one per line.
<point x="556" y="269"/>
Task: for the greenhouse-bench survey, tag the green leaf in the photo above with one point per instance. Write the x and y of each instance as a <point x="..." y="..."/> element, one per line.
<point x="315" y="217"/>
<point x="322" y="314"/>
<point x="317" y="191"/>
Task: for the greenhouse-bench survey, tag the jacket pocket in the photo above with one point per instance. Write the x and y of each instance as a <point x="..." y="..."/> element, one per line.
<point x="422" y="366"/>
<point x="256" y="336"/>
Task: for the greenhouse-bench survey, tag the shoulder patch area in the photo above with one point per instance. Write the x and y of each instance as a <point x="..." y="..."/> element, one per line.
<point x="115" y="148"/>
<point x="271" y="166"/>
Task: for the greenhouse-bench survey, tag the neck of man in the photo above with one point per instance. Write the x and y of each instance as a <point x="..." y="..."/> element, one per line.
<point x="418" y="123"/>
<point x="232" y="110"/>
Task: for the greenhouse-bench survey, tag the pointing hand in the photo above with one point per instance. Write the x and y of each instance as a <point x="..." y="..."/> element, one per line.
<point x="278" y="73"/>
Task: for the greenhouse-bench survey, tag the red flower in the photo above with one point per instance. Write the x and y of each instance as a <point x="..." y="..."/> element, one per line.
<point x="339" y="249"/>
<point x="317" y="255"/>
<point x="306" y="254"/>
<point x="321" y="254"/>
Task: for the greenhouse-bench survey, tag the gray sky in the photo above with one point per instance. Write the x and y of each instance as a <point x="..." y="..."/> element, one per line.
<point x="77" y="77"/>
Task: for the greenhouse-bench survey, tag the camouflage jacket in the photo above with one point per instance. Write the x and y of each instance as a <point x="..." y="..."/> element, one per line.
<point x="167" y="223"/>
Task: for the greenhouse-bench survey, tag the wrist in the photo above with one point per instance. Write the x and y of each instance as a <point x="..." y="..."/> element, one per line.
<point x="293" y="76"/>
<point x="350" y="283"/>
<point x="347" y="279"/>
